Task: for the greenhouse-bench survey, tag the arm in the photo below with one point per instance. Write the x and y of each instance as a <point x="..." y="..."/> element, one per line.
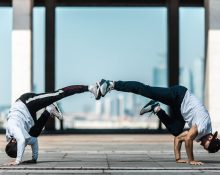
<point x="34" y="146"/>
<point x="177" y="146"/>
<point x="191" y="135"/>
<point x="17" y="134"/>
<point x="20" y="145"/>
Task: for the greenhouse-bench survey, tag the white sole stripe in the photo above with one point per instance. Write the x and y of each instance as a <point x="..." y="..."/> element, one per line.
<point x="44" y="96"/>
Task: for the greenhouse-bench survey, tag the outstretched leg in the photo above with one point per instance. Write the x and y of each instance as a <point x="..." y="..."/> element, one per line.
<point x="35" y="102"/>
<point x="160" y="94"/>
<point x="171" y="96"/>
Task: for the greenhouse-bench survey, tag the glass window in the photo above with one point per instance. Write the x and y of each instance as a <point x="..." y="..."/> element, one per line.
<point x="38" y="49"/>
<point x="192" y="58"/>
<point x="112" y="43"/>
<point x="5" y="62"/>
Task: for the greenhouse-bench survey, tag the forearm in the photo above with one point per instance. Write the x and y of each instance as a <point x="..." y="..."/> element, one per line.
<point x="178" y="140"/>
<point x="35" y="150"/>
<point x="189" y="149"/>
<point x="20" y="150"/>
<point x="34" y="146"/>
<point x="193" y="132"/>
<point x="177" y="148"/>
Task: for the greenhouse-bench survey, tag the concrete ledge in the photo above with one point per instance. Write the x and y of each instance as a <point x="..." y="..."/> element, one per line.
<point x="102" y="131"/>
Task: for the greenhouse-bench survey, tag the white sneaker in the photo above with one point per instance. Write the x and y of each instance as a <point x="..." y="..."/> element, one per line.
<point x="54" y="111"/>
<point x="95" y="90"/>
<point x="105" y="86"/>
<point x="150" y="107"/>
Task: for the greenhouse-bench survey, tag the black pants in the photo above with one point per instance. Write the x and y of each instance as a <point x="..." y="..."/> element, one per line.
<point x="172" y="97"/>
<point x="35" y="102"/>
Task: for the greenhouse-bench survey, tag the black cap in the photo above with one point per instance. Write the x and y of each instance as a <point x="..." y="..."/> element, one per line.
<point x="214" y="145"/>
<point x="11" y="149"/>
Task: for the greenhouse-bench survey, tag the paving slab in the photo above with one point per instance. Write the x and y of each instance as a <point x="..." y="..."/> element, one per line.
<point x="109" y="155"/>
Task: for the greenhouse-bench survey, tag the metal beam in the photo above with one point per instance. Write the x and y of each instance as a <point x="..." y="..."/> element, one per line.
<point x="111" y="3"/>
<point x="115" y="3"/>
<point x="190" y="3"/>
<point x="173" y="42"/>
<point x="5" y="3"/>
<point x="50" y="53"/>
<point x="150" y="3"/>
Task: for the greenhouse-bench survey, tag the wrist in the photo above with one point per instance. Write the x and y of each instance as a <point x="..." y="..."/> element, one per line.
<point x="190" y="160"/>
<point x="17" y="161"/>
<point x="177" y="156"/>
<point x="177" y="159"/>
<point x="34" y="158"/>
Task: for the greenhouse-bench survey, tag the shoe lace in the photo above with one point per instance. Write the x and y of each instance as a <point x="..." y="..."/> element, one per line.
<point x="109" y="88"/>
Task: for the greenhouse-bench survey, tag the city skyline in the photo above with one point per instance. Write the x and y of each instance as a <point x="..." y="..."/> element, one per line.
<point x="141" y="44"/>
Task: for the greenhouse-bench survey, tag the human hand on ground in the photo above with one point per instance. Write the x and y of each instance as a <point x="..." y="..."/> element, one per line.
<point x="194" y="162"/>
<point x="13" y="163"/>
<point x="181" y="161"/>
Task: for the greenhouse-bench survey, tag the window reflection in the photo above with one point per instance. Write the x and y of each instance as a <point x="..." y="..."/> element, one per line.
<point x="115" y="44"/>
<point x="192" y="58"/>
<point x="5" y="62"/>
<point x="38" y="49"/>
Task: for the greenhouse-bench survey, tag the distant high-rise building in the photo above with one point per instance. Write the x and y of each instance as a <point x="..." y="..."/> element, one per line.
<point x="160" y="80"/>
<point x="198" y="74"/>
<point x="121" y="105"/>
<point x="117" y="106"/>
<point x="130" y="104"/>
<point x="186" y="78"/>
<point x="99" y="107"/>
<point x="107" y="106"/>
<point x="160" y="76"/>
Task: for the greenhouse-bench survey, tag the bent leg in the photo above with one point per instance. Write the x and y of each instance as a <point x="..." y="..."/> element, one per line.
<point x="173" y="125"/>
<point x="36" y="130"/>
<point x="163" y="95"/>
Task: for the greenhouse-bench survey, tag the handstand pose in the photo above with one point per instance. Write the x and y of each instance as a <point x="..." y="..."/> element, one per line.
<point x="186" y="108"/>
<point x="23" y="128"/>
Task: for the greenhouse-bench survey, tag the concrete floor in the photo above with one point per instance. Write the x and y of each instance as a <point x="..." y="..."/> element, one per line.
<point x="109" y="154"/>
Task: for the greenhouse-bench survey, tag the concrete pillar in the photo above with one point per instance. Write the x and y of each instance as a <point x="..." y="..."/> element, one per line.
<point x="173" y="42"/>
<point x="21" y="47"/>
<point x="50" y="54"/>
<point x="212" y="85"/>
<point x="172" y="45"/>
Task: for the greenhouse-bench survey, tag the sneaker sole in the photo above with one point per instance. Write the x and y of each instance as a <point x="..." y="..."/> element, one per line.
<point x="59" y="112"/>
